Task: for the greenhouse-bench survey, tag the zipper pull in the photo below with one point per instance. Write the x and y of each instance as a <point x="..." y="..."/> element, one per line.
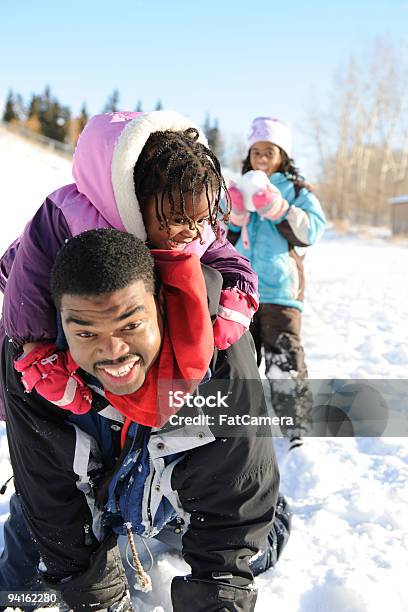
<point x="4" y="486"/>
<point x="88" y="539"/>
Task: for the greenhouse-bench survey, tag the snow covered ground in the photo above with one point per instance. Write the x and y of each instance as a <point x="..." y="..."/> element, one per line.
<point x="29" y="173"/>
<point x="348" y="548"/>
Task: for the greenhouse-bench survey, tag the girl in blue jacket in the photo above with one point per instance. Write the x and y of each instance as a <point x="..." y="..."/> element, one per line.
<point x="274" y="217"/>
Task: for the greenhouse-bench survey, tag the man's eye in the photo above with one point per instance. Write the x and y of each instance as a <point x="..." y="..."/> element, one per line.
<point x="85" y="335"/>
<point x="132" y="326"/>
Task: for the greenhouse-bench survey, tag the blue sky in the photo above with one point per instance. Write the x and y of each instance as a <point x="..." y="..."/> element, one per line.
<point x="235" y="60"/>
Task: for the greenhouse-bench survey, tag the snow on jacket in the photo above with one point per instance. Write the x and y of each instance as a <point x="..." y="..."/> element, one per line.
<point x="102" y="196"/>
<point x="274" y="246"/>
<point x="73" y="478"/>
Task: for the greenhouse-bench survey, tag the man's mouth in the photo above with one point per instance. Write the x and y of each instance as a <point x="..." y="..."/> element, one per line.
<point x="121" y="372"/>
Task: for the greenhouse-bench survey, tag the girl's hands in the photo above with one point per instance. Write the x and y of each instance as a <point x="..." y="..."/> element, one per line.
<point x="235" y="312"/>
<point x="53" y="375"/>
<point x="269" y="203"/>
<point x="239" y="214"/>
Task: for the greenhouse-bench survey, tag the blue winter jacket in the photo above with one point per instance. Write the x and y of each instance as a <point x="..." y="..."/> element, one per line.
<point x="274" y="250"/>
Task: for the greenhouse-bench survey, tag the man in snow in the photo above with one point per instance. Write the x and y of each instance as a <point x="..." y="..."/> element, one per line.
<point x="108" y="463"/>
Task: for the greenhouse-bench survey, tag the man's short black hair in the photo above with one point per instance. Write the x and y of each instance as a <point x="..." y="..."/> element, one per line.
<point x="101" y="261"/>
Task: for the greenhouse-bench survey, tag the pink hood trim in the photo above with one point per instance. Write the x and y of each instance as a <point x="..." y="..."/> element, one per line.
<point x="93" y="161"/>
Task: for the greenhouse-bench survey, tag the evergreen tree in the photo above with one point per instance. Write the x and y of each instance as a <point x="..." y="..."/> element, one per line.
<point x="139" y="108"/>
<point x="19" y="108"/>
<point x="34" y="107"/>
<point x="45" y="114"/>
<point x="159" y="105"/>
<point x="9" y="114"/>
<point x="213" y="135"/>
<point x="83" y="117"/>
<point x="33" y="122"/>
<point x="77" y="124"/>
<point x="62" y="118"/>
<point x="207" y="126"/>
<point x="111" y="105"/>
<point x="54" y="117"/>
<point x="46" y="99"/>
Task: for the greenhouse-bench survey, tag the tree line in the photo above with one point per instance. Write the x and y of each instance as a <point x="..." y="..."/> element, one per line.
<point x="361" y="139"/>
<point x="45" y="115"/>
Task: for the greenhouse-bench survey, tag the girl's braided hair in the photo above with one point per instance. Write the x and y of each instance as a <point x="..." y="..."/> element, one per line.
<point x="287" y="168"/>
<point x="176" y="163"/>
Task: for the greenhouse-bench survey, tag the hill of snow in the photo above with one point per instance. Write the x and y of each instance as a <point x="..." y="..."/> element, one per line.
<point x="30" y="173"/>
<point x="348" y="548"/>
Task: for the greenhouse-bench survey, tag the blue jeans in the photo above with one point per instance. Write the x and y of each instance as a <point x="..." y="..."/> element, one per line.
<point x="19" y="559"/>
<point x="270" y="552"/>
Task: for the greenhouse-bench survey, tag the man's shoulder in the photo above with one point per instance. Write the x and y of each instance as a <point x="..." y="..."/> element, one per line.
<point x="238" y="361"/>
<point x="213" y="282"/>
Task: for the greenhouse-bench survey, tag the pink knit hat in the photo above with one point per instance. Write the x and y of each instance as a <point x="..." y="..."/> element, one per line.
<point x="271" y="130"/>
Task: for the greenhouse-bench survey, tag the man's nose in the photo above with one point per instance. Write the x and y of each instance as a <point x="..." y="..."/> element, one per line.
<point x="112" y="348"/>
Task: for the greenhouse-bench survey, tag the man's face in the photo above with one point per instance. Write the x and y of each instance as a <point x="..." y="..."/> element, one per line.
<point x="116" y="337"/>
<point x="181" y="231"/>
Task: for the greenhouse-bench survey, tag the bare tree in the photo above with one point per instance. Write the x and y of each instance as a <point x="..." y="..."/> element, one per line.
<point x="362" y="143"/>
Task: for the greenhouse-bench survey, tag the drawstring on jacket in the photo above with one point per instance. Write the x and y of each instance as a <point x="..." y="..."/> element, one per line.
<point x="144" y="582"/>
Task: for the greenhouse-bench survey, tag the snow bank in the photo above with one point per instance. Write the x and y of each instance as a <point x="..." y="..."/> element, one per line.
<point x="348" y="549"/>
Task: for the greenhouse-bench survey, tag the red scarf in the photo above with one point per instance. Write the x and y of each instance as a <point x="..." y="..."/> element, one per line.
<point x="187" y="347"/>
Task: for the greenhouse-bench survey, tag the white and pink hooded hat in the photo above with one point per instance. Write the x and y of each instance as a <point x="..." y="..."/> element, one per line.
<point x="104" y="159"/>
<point x="267" y="129"/>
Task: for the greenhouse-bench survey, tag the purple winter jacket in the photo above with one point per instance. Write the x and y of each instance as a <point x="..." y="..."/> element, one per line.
<point x="102" y="196"/>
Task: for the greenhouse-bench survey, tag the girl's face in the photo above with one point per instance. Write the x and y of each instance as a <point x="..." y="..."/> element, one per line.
<point x="265" y="156"/>
<point x="180" y="231"/>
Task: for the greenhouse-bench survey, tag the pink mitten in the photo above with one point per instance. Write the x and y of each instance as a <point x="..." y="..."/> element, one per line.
<point x="269" y="203"/>
<point x="53" y="375"/>
<point x="239" y="215"/>
<point x="235" y="312"/>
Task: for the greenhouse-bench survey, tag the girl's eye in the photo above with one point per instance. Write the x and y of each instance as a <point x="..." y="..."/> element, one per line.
<point x="268" y="154"/>
<point x="181" y="221"/>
